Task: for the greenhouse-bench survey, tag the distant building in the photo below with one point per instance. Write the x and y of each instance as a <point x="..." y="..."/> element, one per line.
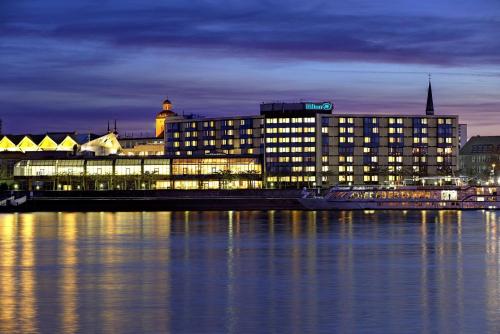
<point x="480" y="157"/>
<point x="462" y="135"/>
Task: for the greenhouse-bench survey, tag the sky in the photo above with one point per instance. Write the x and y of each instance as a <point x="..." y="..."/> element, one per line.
<point x="74" y="65"/>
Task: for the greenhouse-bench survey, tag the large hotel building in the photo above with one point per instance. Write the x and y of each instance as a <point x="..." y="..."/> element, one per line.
<point x="310" y="144"/>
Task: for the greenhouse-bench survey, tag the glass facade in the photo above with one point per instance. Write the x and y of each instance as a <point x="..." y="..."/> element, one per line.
<point x="146" y="173"/>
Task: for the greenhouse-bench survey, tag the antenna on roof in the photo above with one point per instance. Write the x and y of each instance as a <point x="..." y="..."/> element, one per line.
<point x="108" y="125"/>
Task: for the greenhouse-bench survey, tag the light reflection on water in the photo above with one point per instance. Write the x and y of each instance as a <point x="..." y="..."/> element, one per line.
<point x="237" y="272"/>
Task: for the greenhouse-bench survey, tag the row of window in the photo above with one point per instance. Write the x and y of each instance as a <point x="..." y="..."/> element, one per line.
<point x="290" y="149"/>
<point x="285" y="120"/>
<point x="291" y="140"/>
<point x="291" y="130"/>
<point x="324" y="130"/>
<point x="291" y="179"/>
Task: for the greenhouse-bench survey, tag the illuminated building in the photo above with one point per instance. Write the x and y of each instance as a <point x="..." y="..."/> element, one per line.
<point x="162" y="116"/>
<point x="141" y="146"/>
<point x="310" y="144"/>
<point x="60" y="142"/>
<point x="112" y="172"/>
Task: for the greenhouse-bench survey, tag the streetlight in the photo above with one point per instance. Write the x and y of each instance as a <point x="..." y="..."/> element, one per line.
<point x="492" y="173"/>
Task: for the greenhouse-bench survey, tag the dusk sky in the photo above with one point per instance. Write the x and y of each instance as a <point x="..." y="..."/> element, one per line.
<point x="72" y="65"/>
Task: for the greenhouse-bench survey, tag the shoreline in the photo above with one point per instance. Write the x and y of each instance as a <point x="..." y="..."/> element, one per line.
<point x="160" y="200"/>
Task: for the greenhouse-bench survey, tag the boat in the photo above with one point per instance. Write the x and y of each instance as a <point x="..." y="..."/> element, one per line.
<point x="12" y="201"/>
<point x="405" y="198"/>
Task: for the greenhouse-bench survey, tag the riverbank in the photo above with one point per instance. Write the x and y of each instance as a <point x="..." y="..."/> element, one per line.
<point x="169" y="200"/>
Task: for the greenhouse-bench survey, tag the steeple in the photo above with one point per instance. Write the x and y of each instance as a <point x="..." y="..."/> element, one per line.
<point x="429" y="109"/>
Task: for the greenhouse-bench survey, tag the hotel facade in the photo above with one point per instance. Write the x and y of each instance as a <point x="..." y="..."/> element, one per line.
<point x="309" y="144"/>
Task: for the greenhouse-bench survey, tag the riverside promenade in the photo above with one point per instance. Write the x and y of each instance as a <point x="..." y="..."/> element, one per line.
<point x="159" y="200"/>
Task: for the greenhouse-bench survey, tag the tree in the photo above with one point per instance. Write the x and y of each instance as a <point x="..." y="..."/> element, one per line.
<point x="224" y="176"/>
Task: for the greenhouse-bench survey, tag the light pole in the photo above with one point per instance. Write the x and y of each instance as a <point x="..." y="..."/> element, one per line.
<point x="492" y="173"/>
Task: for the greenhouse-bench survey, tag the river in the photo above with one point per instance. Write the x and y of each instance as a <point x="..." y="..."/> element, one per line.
<point x="250" y="272"/>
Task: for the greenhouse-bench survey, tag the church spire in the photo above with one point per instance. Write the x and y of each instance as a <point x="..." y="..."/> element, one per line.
<point x="429" y="109"/>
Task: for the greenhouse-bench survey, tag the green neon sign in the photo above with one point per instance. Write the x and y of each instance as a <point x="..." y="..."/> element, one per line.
<point x="319" y="106"/>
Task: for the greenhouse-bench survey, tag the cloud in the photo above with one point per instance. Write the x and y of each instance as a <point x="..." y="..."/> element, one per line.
<point x="99" y="60"/>
<point x="281" y="29"/>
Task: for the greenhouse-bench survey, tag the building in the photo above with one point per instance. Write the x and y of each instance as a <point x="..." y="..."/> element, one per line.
<point x="60" y="142"/>
<point x="480" y="158"/>
<point x="116" y="172"/>
<point x="310" y="144"/>
<point x="462" y="135"/>
<point x="14" y="148"/>
<point x="142" y="146"/>
<point x="165" y="113"/>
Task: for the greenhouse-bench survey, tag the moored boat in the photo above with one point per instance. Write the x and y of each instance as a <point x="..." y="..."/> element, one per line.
<point x="406" y="198"/>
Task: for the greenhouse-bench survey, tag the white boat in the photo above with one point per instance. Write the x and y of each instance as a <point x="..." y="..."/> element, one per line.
<point x="406" y="198"/>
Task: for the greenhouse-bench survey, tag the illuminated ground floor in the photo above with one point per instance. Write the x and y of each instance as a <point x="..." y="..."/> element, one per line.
<point x="117" y="173"/>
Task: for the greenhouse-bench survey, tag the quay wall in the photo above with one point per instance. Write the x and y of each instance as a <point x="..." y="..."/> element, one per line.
<point x="163" y="200"/>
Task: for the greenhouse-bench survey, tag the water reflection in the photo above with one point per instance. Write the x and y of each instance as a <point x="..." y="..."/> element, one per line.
<point x="234" y="272"/>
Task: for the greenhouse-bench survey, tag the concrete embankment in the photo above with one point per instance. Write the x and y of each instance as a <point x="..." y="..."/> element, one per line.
<point x="170" y="200"/>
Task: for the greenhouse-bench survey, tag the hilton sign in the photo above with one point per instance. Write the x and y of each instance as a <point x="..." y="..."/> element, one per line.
<point x="327" y="106"/>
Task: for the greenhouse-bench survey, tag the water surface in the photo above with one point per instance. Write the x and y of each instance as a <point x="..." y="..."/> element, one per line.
<point x="249" y="272"/>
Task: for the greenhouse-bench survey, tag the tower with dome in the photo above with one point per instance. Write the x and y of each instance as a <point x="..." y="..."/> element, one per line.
<point x="162" y="116"/>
